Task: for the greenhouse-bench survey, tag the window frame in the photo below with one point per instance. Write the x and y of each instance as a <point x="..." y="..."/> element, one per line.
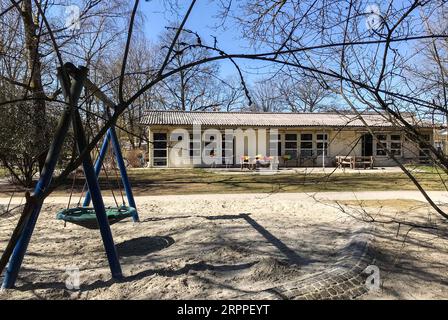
<point x="293" y="150"/>
<point x="387" y="142"/>
<point x="325" y="143"/>
<point x="192" y="149"/>
<point x="312" y="141"/>
<point x="422" y="149"/>
<point x="400" y="141"/>
<point x="154" y="158"/>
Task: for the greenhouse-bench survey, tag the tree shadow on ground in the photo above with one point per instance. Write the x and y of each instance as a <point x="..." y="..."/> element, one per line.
<point x="146" y="245"/>
<point x="143" y="246"/>
<point x="291" y="255"/>
<point x="385" y="256"/>
<point x="166" y="272"/>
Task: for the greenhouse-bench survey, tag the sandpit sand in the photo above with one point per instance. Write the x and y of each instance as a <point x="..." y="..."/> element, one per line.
<point x="209" y="247"/>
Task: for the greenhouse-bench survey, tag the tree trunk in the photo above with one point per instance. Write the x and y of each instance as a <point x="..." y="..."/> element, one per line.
<point x="31" y="24"/>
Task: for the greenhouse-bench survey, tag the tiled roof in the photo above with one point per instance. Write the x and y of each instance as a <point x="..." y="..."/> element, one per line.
<point x="264" y="119"/>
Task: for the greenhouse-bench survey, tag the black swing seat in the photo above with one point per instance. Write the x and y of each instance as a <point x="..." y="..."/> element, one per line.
<point x="86" y="216"/>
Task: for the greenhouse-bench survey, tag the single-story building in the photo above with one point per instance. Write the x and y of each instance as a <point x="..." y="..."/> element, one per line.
<point x="186" y="139"/>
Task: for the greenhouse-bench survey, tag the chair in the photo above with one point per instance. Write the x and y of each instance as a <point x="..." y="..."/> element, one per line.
<point x="364" y="161"/>
<point x="344" y="160"/>
<point x="262" y="161"/>
<point x="245" y="162"/>
<point x="288" y="158"/>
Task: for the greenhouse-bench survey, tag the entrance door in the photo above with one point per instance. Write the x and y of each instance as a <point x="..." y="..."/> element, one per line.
<point x="367" y="145"/>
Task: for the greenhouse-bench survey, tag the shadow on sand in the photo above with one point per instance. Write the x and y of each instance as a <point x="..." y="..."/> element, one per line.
<point x="143" y="246"/>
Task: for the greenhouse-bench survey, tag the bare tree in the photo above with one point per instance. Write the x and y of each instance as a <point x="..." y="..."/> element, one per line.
<point x="27" y="59"/>
<point x="366" y="62"/>
<point x="267" y="97"/>
<point x="194" y="88"/>
<point x="304" y="94"/>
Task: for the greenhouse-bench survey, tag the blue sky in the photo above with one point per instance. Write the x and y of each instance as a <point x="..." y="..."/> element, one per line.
<point x="202" y="20"/>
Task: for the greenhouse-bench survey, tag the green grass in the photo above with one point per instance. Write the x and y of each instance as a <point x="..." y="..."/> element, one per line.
<point x="426" y="168"/>
<point x="3" y="172"/>
<point x="156" y="182"/>
<point x="198" y="181"/>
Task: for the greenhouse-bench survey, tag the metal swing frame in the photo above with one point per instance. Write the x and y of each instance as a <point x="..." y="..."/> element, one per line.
<point x="72" y="91"/>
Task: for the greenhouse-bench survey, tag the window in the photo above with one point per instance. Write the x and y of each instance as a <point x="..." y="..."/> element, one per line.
<point x="390" y="141"/>
<point x="381" y="141"/>
<point x="322" y="144"/>
<point x="160" y="149"/>
<point x="306" y="145"/>
<point x="291" y="145"/>
<point x="424" y="151"/>
<point x="195" y="147"/>
<point x="395" y="144"/>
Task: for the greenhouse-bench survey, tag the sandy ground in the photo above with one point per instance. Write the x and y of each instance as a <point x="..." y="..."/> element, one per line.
<point x="223" y="246"/>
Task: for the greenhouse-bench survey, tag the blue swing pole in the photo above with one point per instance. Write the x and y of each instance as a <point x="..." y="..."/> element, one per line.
<point x="97" y="199"/>
<point x="98" y="164"/>
<point x="54" y="150"/>
<point x="123" y="173"/>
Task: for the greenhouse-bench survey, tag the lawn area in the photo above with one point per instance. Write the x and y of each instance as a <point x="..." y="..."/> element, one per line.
<point x="156" y="182"/>
<point x="3" y="172"/>
<point x="199" y="181"/>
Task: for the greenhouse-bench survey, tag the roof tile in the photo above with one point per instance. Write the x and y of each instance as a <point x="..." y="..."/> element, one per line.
<point x="254" y="119"/>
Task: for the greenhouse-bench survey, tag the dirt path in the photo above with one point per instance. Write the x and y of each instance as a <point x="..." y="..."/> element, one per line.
<point x="440" y="196"/>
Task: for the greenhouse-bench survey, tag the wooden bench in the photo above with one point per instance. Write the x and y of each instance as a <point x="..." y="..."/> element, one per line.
<point x="424" y="159"/>
<point x="364" y="161"/>
<point x="344" y="160"/>
<point x="355" y="161"/>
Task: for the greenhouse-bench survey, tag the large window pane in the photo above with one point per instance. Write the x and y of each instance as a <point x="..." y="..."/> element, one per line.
<point x="321" y="136"/>
<point x="322" y="145"/>
<point x="381" y="140"/>
<point x="390" y="141"/>
<point x="160" y="162"/>
<point x="306" y="152"/>
<point x="306" y="136"/>
<point x="159" y="145"/>
<point x="291" y="145"/>
<point x="306" y="145"/>
<point x="159" y="136"/>
<point x="160" y="149"/>
<point x="160" y="153"/>
<point x="291" y="153"/>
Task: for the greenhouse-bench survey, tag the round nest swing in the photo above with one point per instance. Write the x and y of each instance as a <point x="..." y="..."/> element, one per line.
<point x="86" y="216"/>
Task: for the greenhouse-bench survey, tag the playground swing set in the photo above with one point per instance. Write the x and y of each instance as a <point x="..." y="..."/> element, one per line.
<point x="72" y="81"/>
<point x="85" y="216"/>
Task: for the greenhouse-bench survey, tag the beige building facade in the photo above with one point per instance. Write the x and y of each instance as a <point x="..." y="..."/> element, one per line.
<point x="224" y="139"/>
